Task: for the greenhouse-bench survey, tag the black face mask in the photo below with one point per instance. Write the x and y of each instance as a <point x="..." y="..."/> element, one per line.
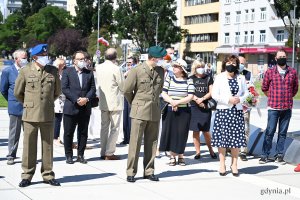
<point x="231" y="68"/>
<point x="281" y="61"/>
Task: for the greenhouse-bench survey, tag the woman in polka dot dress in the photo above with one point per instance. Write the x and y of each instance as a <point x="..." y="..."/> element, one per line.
<point x="230" y="91"/>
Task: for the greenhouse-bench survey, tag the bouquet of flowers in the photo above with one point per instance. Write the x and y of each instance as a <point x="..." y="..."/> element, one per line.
<point x="253" y="99"/>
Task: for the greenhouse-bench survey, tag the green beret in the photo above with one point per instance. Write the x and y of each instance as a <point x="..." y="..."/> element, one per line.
<point x="157" y="52"/>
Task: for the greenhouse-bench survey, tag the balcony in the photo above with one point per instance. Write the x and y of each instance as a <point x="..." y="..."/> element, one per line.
<point x="275" y="22"/>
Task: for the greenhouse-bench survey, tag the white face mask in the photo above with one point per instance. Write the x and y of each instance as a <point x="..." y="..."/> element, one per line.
<point x="43" y="60"/>
<point x="160" y="63"/>
<point x="23" y="62"/>
<point x="242" y="67"/>
<point x="200" y="70"/>
<point x="81" y="64"/>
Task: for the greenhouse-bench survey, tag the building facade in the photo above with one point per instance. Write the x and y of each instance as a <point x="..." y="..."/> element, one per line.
<point x="13" y="5"/>
<point x="251" y="28"/>
<point x="201" y="19"/>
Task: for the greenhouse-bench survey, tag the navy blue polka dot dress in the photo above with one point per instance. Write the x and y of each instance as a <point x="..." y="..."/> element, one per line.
<point x="229" y="126"/>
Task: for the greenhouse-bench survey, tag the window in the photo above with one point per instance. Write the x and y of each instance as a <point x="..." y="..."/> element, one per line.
<point x="251" y="37"/>
<point x="280" y="35"/>
<point x="237" y="1"/>
<point x="252" y="15"/>
<point x="245" y="37"/>
<point x="199" y="19"/>
<point x="227" y="18"/>
<point x="263" y="14"/>
<point x="227" y="1"/>
<point x="207" y="37"/>
<point x="238" y="17"/>
<point x="246" y="15"/>
<point x="262" y="36"/>
<point x="227" y="38"/>
<point x="237" y="38"/>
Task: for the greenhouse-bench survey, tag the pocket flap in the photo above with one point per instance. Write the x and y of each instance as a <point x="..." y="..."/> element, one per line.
<point x="146" y="80"/>
<point x="28" y="105"/>
<point x="139" y="103"/>
<point x="30" y="80"/>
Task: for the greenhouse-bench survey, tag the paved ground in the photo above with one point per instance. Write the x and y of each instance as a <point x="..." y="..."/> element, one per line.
<point x="107" y="179"/>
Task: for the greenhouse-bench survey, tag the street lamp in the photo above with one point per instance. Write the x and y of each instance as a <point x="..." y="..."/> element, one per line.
<point x="156" y="13"/>
<point x="98" y="34"/>
<point x="294" y="32"/>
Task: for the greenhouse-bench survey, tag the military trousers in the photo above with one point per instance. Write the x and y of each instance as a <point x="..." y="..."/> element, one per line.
<point x="148" y="129"/>
<point x="30" y="144"/>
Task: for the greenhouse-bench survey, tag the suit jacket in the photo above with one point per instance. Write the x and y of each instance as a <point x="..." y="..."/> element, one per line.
<point x="110" y="81"/>
<point x="221" y="91"/>
<point x="7" y="86"/>
<point x="37" y="92"/>
<point x="72" y="90"/>
<point x="142" y="90"/>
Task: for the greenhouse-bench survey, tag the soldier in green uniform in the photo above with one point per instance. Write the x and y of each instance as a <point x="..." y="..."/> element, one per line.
<point x="37" y="86"/>
<point x="142" y="89"/>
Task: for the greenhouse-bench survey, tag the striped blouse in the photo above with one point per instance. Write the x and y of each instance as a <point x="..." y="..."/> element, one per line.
<point x="178" y="89"/>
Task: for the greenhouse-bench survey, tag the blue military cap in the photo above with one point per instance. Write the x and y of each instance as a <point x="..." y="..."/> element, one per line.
<point x="38" y="49"/>
<point x="157" y="51"/>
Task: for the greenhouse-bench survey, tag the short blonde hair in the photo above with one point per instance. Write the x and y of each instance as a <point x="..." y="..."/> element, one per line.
<point x="195" y="64"/>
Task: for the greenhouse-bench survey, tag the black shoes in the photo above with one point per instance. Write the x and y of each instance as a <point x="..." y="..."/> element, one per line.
<point x="263" y="160"/>
<point x="151" y="177"/>
<point x="81" y="159"/>
<point x="214" y="156"/>
<point x="24" y="183"/>
<point x="243" y="157"/>
<point x="52" y="182"/>
<point x="69" y="160"/>
<point x="279" y="159"/>
<point x="236" y="174"/>
<point x="130" y="179"/>
<point x="197" y="156"/>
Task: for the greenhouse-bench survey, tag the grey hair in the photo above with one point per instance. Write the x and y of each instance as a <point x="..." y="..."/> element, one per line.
<point x="18" y="52"/>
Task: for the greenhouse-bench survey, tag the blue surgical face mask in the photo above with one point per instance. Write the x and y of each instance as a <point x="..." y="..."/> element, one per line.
<point x="200" y="71"/>
<point x="242" y="67"/>
<point x="23" y="62"/>
<point x="43" y="60"/>
<point x="160" y="62"/>
<point x="81" y="64"/>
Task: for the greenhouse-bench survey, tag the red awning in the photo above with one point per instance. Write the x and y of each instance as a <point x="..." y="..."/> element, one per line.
<point x="264" y="50"/>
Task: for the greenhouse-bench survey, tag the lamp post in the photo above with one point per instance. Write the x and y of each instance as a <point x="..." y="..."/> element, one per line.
<point x="98" y="33"/>
<point x="156" y="32"/>
<point x="294" y="32"/>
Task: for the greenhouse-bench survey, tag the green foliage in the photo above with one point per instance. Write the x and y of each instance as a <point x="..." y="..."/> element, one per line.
<point x="1" y="17"/>
<point x="36" y="5"/>
<point x="40" y="26"/>
<point x="25" y="8"/>
<point x="3" y="102"/>
<point x="135" y="21"/>
<point x="106" y="15"/>
<point x="10" y="32"/>
<point x="84" y="14"/>
<point x="66" y="42"/>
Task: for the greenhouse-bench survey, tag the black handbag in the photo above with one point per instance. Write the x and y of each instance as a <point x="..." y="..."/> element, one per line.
<point x="94" y="102"/>
<point x="211" y="104"/>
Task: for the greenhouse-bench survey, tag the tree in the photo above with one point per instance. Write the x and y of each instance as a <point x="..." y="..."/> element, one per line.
<point x="26" y="8"/>
<point x="40" y="26"/>
<point x="36" y="5"/>
<point x="84" y="14"/>
<point x="1" y="17"/>
<point x="106" y="16"/>
<point x="66" y="42"/>
<point x="135" y="21"/>
<point x="10" y="32"/>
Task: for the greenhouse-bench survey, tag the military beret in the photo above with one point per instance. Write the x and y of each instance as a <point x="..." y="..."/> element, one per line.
<point x="157" y="51"/>
<point x="38" y="49"/>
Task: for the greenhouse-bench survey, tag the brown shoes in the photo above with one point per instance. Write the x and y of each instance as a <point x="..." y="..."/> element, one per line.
<point x="112" y="157"/>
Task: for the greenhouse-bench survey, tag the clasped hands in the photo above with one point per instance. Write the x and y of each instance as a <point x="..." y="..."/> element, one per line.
<point x="200" y="103"/>
<point x="234" y="100"/>
<point x="174" y="104"/>
<point x="81" y="101"/>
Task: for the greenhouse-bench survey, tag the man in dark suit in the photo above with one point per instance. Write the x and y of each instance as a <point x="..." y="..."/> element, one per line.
<point x="142" y="89"/>
<point x="15" y="108"/>
<point x="78" y="85"/>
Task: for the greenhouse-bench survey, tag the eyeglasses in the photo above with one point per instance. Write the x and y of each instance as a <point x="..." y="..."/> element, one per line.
<point x="129" y="62"/>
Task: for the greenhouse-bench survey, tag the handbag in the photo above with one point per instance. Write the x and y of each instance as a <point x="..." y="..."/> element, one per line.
<point x="94" y="102"/>
<point x="211" y="103"/>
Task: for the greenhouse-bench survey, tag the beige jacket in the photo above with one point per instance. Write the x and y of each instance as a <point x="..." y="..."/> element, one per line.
<point x="142" y="89"/>
<point x="110" y="82"/>
<point x="37" y="92"/>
